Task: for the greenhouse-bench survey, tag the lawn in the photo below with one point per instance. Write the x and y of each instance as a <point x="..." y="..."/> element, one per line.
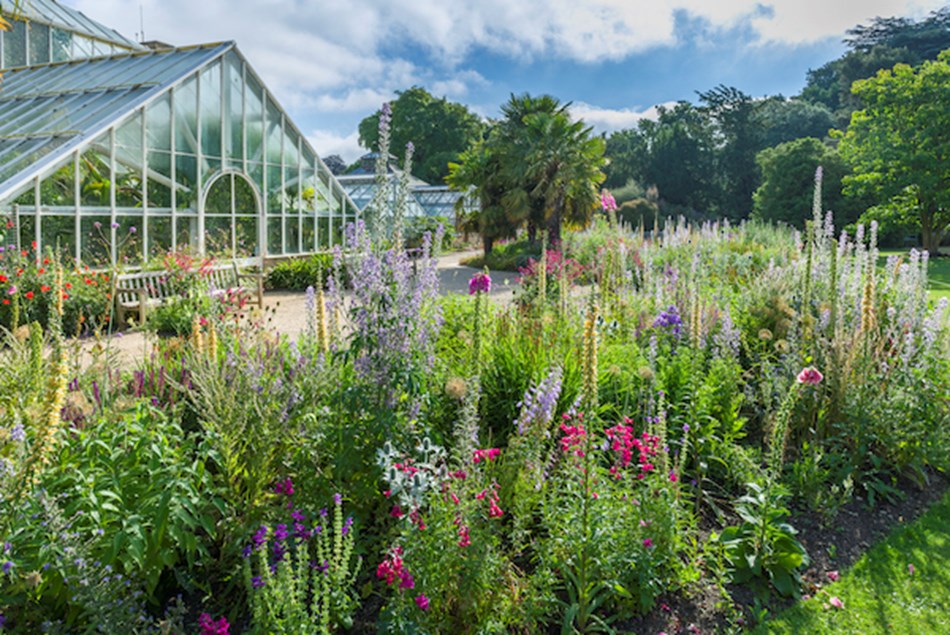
<point x="938" y="272"/>
<point x="902" y="585"/>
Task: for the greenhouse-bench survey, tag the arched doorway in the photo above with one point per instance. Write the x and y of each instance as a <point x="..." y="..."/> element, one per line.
<point x="232" y="217"/>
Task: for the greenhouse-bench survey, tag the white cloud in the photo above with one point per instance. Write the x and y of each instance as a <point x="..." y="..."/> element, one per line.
<point x="609" y="120"/>
<point x="327" y="142"/>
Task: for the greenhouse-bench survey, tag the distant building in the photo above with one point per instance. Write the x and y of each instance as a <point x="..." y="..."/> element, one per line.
<point x="424" y="199"/>
<point x="100" y="134"/>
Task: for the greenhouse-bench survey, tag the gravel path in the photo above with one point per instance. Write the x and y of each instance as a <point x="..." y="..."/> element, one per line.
<point x="286" y="313"/>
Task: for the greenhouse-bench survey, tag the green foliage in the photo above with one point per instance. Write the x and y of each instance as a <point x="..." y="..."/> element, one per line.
<point x="439" y="129"/>
<point x="304" y="579"/>
<point x="299" y="273"/>
<point x="136" y="493"/>
<point x="788" y="173"/>
<point x="537" y="167"/>
<point x="763" y="548"/>
<point x="29" y="287"/>
<point x="897" y="142"/>
<point x="783" y="120"/>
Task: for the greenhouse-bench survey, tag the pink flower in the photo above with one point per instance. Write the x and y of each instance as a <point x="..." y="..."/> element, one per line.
<point x="422" y="602"/>
<point x="211" y="627"/>
<point x="810" y="375"/>
<point x="480" y="282"/>
<point x="487" y="454"/>
<point x="608" y="202"/>
<point x="910" y="569"/>
<point x="647" y="543"/>
<point x="833" y="576"/>
<point x="836" y="602"/>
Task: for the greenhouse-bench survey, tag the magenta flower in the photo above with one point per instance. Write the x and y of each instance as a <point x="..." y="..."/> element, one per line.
<point x="810" y="375"/>
<point x="607" y="201"/>
<point x="211" y="627"/>
<point x="647" y="542"/>
<point x="833" y="576"/>
<point x="836" y="602"/>
<point x="480" y="282"/>
<point x="422" y="602"/>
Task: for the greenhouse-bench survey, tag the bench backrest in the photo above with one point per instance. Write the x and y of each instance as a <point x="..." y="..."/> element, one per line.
<point x="155" y="284"/>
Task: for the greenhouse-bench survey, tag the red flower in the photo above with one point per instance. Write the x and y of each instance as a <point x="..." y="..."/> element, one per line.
<point x="44" y="288"/>
<point x="29" y="295"/>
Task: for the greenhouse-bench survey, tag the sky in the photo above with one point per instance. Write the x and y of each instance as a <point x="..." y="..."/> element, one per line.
<point x="331" y="63"/>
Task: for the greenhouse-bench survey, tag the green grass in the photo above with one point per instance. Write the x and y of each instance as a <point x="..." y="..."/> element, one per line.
<point x="938" y="272"/>
<point x="880" y="594"/>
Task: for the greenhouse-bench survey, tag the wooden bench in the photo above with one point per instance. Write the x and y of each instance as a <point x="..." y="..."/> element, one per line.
<point x="143" y="290"/>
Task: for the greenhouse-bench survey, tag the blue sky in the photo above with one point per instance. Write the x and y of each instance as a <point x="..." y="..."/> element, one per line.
<point x="332" y="62"/>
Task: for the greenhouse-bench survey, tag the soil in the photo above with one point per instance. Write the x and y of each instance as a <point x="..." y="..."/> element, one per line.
<point x="832" y="545"/>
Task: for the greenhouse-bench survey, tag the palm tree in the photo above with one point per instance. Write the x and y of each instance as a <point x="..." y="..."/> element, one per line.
<point x="536" y="167"/>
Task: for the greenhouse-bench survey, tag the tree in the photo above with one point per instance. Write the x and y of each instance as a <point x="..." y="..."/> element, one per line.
<point x="739" y="139"/>
<point x="479" y="169"/>
<point x="782" y="120"/>
<point x="439" y="130"/>
<point x="335" y="164"/>
<point x="879" y="45"/>
<point x="899" y="144"/>
<point x="536" y="167"/>
<point x="788" y="173"/>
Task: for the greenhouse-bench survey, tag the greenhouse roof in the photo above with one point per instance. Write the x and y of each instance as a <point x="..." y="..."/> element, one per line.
<point x="47" y="111"/>
<point x="55" y="14"/>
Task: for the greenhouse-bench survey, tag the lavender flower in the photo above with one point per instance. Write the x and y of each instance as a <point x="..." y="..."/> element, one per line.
<point x="17" y="433"/>
<point x="669" y="319"/>
<point x="539" y="402"/>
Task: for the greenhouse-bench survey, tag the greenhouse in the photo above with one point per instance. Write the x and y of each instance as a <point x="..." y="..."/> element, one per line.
<point x="122" y="157"/>
<point x="423" y="200"/>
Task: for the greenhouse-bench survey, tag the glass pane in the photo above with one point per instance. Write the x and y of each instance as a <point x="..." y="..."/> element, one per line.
<point x="94" y="174"/>
<point x="14" y="45"/>
<point x="159" y="236"/>
<point x="95" y="237"/>
<point x="211" y="168"/>
<point x="39" y="43"/>
<point x="27" y="228"/>
<point x="128" y="239"/>
<point x="129" y="134"/>
<point x="274" y="136"/>
<point x="274" y="242"/>
<point x="246" y="230"/>
<point x="59" y="235"/>
<point x="273" y="189"/>
<point x="186" y="117"/>
<point x="211" y="111"/>
<point x="218" y="200"/>
<point x="308" y="231"/>
<point x="255" y="122"/>
<point x="245" y="202"/>
<point x="82" y="47"/>
<point x="256" y="173"/>
<point x="323" y="233"/>
<point x="218" y="235"/>
<point x="158" y="116"/>
<point x="159" y="180"/>
<point x="62" y="45"/>
<point x="128" y="186"/>
<point x="186" y="231"/>
<point x="57" y="191"/>
<point x="186" y="177"/>
<point x="234" y="108"/>
<point x="291" y="235"/>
